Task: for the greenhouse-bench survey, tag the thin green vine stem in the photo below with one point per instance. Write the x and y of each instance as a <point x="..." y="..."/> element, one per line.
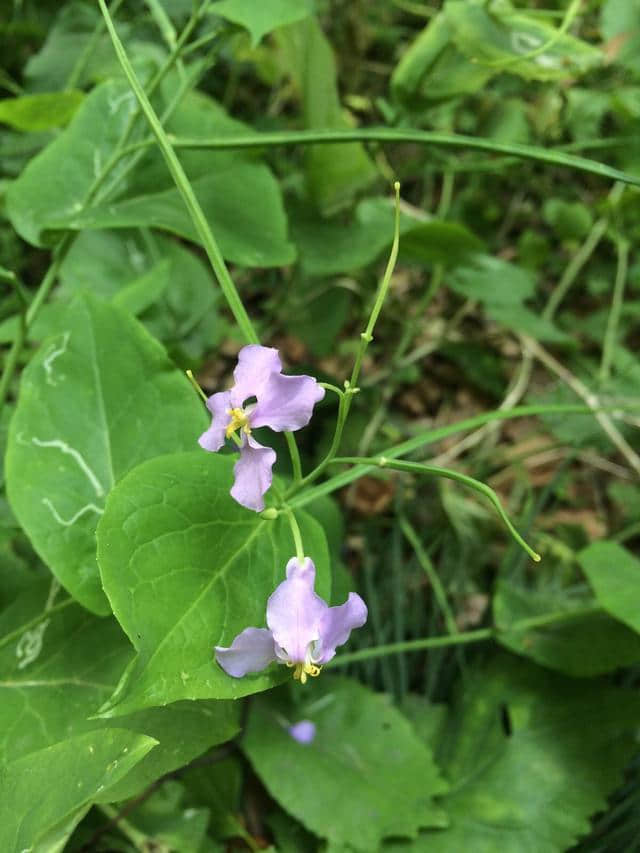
<point x="427" y="566"/>
<point x="610" y="335"/>
<point x="55" y="608"/>
<point x="351" y="386"/>
<point x="420" y="137"/>
<point x="430" y="437"/>
<point x="465" y="637"/>
<point x="449" y="474"/>
<point x="185" y="189"/>
<point x="295" y="532"/>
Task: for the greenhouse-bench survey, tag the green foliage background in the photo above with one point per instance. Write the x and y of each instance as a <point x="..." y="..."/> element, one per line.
<point x="491" y="702"/>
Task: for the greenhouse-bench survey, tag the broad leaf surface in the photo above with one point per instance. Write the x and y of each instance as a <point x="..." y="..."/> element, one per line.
<point x="241" y="199"/>
<point x="614" y="574"/>
<point x="582" y="646"/>
<point x="241" y="202"/>
<point x="59" y="668"/>
<point x="40" y="112"/>
<point x="365" y="776"/>
<point x="56" y="183"/>
<point x="334" y="173"/>
<point x="37" y="791"/>
<point x="186" y="568"/>
<point x="504" y="40"/>
<point x="265" y="17"/>
<point x="96" y="399"/>
<point x="530" y="756"/>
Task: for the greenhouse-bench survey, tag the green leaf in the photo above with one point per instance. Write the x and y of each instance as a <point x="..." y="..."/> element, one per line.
<point x="365" y="776"/>
<point x="614" y="574"/>
<point x="530" y="755"/>
<point x="38" y="790"/>
<point x="264" y="18"/>
<point x="584" y="645"/>
<point x="35" y="113"/>
<point x="162" y="818"/>
<point x="493" y="281"/>
<point x="353" y="244"/>
<point x="56" y="182"/>
<point x="121" y="267"/>
<point x="432" y="68"/>
<point x="186" y="568"/>
<point x="60" y="665"/>
<point x="334" y="174"/>
<point x="51" y="67"/>
<point x="89" y="411"/>
<point x="503" y="40"/>
<point x="439" y="242"/>
<point x="242" y="204"/>
<point x="619" y="24"/>
<point x="240" y="198"/>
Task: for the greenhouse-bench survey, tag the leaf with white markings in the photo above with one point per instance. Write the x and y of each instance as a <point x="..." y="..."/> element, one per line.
<point x="81" y="766"/>
<point x="186" y="568"/>
<point x="52" y="671"/>
<point x="95" y="400"/>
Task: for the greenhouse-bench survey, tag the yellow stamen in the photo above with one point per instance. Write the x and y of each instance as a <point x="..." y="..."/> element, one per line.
<point x="239" y="420"/>
<point x="302" y="670"/>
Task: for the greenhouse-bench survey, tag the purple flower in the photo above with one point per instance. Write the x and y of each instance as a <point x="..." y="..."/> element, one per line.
<point x="303" y="631"/>
<point x="283" y="403"/>
<point x="304" y="731"/>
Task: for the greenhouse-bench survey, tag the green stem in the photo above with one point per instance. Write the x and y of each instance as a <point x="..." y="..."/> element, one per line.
<point x="139" y="839"/>
<point x="198" y="389"/>
<point x="420" y="137"/>
<point x="610" y="335"/>
<point x="471" y="482"/>
<point x="581" y="256"/>
<point x="294" y="453"/>
<point x="184" y="187"/>
<point x="295" y="532"/>
<point x="477" y="636"/>
<point x="432" y="575"/>
<point x="89" y="49"/>
<point x="430" y="437"/>
<point x="351" y="386"/>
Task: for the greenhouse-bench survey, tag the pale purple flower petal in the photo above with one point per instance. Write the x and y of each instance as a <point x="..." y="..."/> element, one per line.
<point x="251" y="651"/>
<point x="294" y="611"/>
<point x="218" y="404"/>
<point x="304" y="732"/>
<point x="255" y="366"/>
<point x="336" y="624"/>
<point x="252" y="473"/>
<point x="286" y="402"/>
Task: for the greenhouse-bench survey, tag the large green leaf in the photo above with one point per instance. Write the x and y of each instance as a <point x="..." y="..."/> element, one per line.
<point x="614" y="574"/>
<point x="530" y="756"/>
<point x="265" y="17"/>
<point x="240" y="198"/>
<point x="186" y="568"/>
<point x="95" y="400"/>
<point x="242" y="203"/>
<point x="56" y="182"/>
<point x="432" y="68"/>
<point x="39" y="790"/>
<point x="353" y="244"/>
<point x="365" y="776"/>
<point x="58" y="667"/>
<point x="584" y="645"/>
<point x="334" y="173"/>
<point x="40" y="112"/>
<point x="505" y="40"/>
<point x="162" y="282"/>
